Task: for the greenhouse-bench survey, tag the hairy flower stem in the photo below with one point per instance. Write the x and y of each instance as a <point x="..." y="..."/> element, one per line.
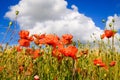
<point x="113" y="38"/>
<point x="112" y="44"/>
<point x="74" y="69"/>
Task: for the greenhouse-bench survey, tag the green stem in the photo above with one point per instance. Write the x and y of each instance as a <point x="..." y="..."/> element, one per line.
<point x="74" y="68"/>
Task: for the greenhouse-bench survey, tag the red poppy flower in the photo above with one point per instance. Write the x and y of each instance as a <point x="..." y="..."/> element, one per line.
<point x="56" y="53"/>
<point x="51" y="39"/>
<point x="36" y="36"/>
<point x="36" y="41"/>
<point x="18" y="48"/>
<point x="24" y="42"/>
<point x="66" y="39"/>
<point x="102" y="36"/>
<point x="21" y="68"/>
<point x="29" y="51"/>
<point x="70" y="51"/>
<point x="39" y="36"/>
<point x="23" y="34"/>
<point x="98" y="62"/>
<point x="1" y="68"/>
<point x="30" y="38"/>
<point x="112" y="63"/>
<point x="67" y="36"/>
<point x="36" y="53"/>
<point x="109" y="33"/>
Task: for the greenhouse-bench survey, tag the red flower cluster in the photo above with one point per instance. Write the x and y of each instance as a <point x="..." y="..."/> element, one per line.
<point x="58" y="44"/>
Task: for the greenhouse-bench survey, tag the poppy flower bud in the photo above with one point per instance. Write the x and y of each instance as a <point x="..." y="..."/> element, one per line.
<point x="102" y="36"/>
<point x="113" y="20"/>
<point x="103" y="21"/>
<point x="10" y="23"/>
<point x="17" y="12"/>
<point x="110" y="25"/>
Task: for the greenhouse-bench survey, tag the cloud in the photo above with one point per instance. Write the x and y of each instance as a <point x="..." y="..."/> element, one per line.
<point x="53" y="16"/>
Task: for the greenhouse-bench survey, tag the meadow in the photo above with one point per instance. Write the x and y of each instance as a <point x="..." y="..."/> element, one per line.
<point x="51" y="57"/>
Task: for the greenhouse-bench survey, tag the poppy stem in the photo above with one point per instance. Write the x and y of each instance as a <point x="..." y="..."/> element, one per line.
<point x="74" y="69"/>
<point x="113" y="48"/>
<point x="112" y="44"/>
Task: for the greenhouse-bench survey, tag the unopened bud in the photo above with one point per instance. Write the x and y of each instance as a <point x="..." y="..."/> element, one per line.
<point x="110" y="25"/>
<point x="17" y="12"/>
<point x="10" y="23"/>
<point x="113" y="20"/>
<point x="103" y="21"/>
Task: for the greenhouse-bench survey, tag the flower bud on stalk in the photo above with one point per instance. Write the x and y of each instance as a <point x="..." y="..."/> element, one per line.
<point x="110" y="25"/>
<point x="103" y="21"/>
<point x="10" y="23"/>
<point x="113" y="20"/>
<point x="17" y="12"/>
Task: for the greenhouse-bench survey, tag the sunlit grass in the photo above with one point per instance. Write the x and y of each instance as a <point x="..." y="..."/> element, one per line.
<point x="17" y="65"/>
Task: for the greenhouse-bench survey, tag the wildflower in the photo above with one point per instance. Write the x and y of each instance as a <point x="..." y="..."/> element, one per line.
<point x="36" y="41"/>
<point x="18" y="48"/>
<point x="112" y="63"/>
<point x="70" y="51"/>
<point x="51" y="39"/>
<point x="36" y="77"/>
<point x="24" y="34"/>
<point x="102" y="36"/>
<point x="1" y="68"/>
<point x="109" y="33"/>
<point x="21" y="68"/>
<point x="24" y="42"/>
<point x="30" y="38"/>
<point x="56" y="53"/>
<point x="98" y="62"/>
<point x="39" y="36"/>
<point x="66" y="39"/>
<point x="36" y="36"/>
<point x="29" y="51"/>
<point x="36" y="53"/>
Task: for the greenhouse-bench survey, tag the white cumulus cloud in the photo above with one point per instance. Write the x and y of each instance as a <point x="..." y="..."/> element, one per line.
<point x="53" y="16"/>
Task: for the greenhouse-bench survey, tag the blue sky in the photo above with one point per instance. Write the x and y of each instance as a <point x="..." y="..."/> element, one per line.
<point x="97" y="9"/>
<point x="4" y="7"/>
<point x="94" y="9"/>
